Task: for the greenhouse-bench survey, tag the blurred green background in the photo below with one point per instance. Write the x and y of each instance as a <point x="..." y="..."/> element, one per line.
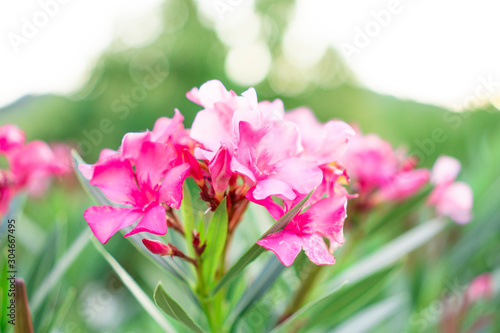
<point x="186" y="54"/>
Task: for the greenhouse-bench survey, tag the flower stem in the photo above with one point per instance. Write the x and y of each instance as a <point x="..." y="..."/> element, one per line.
<point x="305" y="288"/>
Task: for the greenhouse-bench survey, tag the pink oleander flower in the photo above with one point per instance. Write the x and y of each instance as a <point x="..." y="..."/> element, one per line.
<point x="324" y="218"/>
<point x="250" y="132"/>
<point x="451" y="198"/>
<point x="10" y="137"/>
<point x="33" y="165"/>
<point x="482" y="287"/>
<point x="144" y="185"/>
<point x="376" y="169"/>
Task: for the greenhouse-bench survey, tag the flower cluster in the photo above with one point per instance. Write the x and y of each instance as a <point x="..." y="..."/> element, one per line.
<point x="248" y="151"/>
<point x="29" y="166"/>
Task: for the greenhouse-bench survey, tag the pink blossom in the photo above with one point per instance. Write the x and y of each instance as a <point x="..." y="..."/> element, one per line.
<point x="376" y="168"/>
<point x="481" y="287"/>
<point x="213" y="125"/>
<point x="32" y="166"/>
<point x="155" y="181"/>
<point x="250" y="131"/>
<point x="451" y="198"/>
<point x="325" y="218"/>
<point x="10" y="137"/>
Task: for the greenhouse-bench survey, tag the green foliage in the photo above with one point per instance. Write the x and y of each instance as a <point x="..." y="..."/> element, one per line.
<point x="173" y="309"/>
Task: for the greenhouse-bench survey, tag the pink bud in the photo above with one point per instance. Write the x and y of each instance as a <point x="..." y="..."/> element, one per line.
<point x="157" y="247"/>
<point x="480" y="287"/>
<point x="220" y="170"/>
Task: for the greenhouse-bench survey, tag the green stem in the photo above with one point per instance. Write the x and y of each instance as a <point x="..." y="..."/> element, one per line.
<point x="302" y="293"/>
<point x="204" y="300"/>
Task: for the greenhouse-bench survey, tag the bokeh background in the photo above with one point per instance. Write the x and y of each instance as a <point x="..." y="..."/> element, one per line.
<point x="423" y="75"/>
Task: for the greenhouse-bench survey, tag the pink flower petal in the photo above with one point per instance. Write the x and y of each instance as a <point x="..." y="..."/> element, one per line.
<point x="165" y="128"/>
<point x="285" y="244"/>
<point x="171" y="187"/>
<point x="10" y="137"/>
<point x="153" y="221"/>
<point x="115" y="177"/>
<point x="445" y="170"/>
<point x="405" y="184"/>
<point x="325" y="216"/>
<point x="132" y="144"/>
<point x="301" y="175"/>
<point x="316" y="250"/>
<point x="154" y="160"/>
<point x="456" y="202"/>
<point x="273" y="187"/>
<point x="220" y="170"/>
<point x="105" y="221"/>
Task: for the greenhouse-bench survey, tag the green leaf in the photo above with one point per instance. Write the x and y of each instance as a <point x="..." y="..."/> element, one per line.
<point x="100" y="198"/>
<point x="382" y="258"/>
<point x="59" y="269"/>
<point x="216" y="240"/>
<point x="135" y="289"/>
<point x="256" y="250"/>
<point x="187" y="218"/>
<point x="265" y="280"/>
<point x="173" y="309"/>
<point x="338" y="306"/>
<point x="397" y="212"/>
<point x="370" y="317"/>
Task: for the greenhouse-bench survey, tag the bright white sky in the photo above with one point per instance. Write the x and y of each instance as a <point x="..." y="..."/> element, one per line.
<point x="437" y="52"/>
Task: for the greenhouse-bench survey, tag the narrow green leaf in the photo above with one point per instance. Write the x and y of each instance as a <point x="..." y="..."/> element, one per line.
<point x="173" y="309"/>
<point x="256" y="250"/>
<point x="136" y="239"/>
<point x="398" y="212"/>
<point x="135" y="289"/>
<point x="338" y="306"/>
<point x="376" y="262"/>
<point x="369" y="318"/>
<point x="187" y="218"/>
<point x="216" y="240"/>
<point x="265" y="280"/>
<point x="59" y="269"/>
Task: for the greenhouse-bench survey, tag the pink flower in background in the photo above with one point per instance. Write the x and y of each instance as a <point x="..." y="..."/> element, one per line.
<point x="376" y="168"/>
<point x="10" y="137"/>
<point x="31" y="166"/>
<point x="154" y="182"/>
<point x="451" y="198"/>
<point x="480" y="288"/>
<point x="325" y="218"/>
